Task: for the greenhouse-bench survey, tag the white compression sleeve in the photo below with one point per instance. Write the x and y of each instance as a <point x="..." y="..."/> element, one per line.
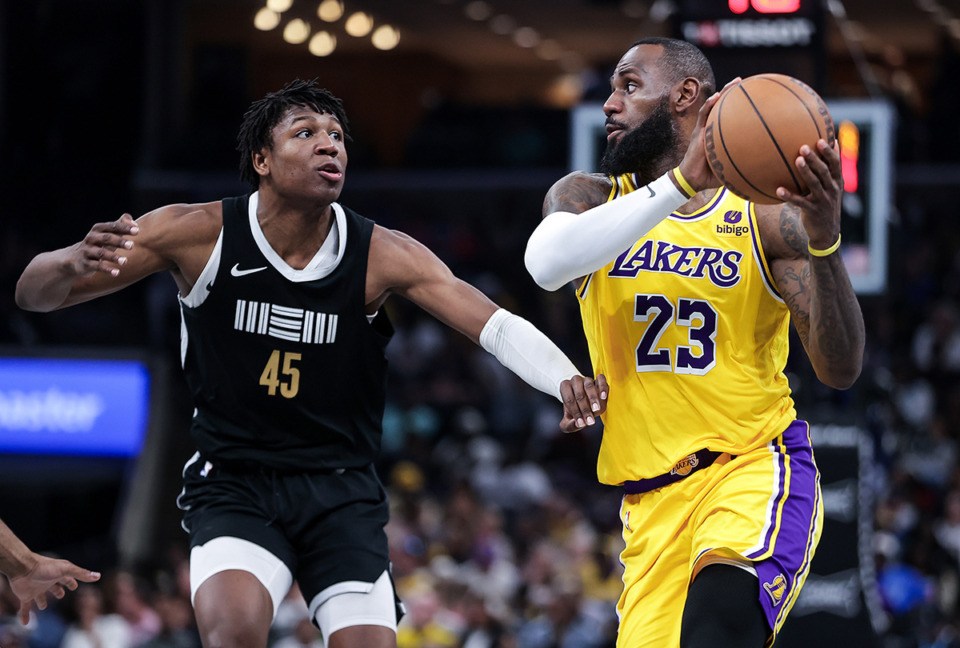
<point x="566" y="246"/>
<point x="524" y="350"/>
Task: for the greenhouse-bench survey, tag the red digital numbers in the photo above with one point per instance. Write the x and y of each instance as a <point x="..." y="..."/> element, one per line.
<point x="764" y="6"/>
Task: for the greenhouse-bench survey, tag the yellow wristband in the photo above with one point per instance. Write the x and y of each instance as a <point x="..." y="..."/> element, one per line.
<point x="822" y="253"/>
<point x="687" y="189"/>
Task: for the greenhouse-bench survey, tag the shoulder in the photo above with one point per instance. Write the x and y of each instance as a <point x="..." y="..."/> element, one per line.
<point x="577" y="192"/>
<point x="182" y="222"/>
<point x="781" y="231"/>
<point x="393" y="245"/>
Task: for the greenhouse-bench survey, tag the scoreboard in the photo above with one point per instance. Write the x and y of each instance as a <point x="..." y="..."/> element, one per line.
<point x="746" y="37"/>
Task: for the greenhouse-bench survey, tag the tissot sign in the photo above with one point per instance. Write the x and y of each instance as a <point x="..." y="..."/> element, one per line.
<point x="744" y="37"/>
<point x="750" y="23"/>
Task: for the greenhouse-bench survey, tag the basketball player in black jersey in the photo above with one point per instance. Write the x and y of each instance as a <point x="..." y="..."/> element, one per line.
<point x="281" y="293"/>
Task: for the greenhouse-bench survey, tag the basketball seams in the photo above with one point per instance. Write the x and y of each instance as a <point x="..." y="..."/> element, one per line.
<point x="726" y="151"/>
<point x="749" y="164"/>
<point x="776" y="144"/>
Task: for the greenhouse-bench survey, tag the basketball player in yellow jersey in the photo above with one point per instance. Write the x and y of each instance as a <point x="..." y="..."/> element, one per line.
<point x="686" y="294"/>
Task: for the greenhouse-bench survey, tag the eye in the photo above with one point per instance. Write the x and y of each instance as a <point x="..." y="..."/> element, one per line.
<point x="303" y="133"/>
<point x="631" y="86"/>
<point x="336" y="135"/>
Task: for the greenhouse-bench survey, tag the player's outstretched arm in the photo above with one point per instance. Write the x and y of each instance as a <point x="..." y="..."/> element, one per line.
<point x="810" y="273"/>
<point x="118" y="253"/>
<point x="51" y="277"/>
<point x="33" y="577"/>
<point x="401" y="265"/>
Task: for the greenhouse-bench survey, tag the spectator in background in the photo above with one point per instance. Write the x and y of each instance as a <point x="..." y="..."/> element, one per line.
<point x="305" y="635"/>
<point x="130" y="597"/>
<point x="177" y="627"/>
<point x="91" y="627"/>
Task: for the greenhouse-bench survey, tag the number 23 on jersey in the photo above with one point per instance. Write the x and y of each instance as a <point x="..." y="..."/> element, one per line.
<point x="696" y="315"/>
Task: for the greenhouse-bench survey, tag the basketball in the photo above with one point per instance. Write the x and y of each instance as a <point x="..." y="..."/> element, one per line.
<point x="754" y="134"/>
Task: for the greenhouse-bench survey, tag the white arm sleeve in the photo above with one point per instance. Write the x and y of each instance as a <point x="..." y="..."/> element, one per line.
<point x="566" y="246"/>
<point x="524" y="350"/>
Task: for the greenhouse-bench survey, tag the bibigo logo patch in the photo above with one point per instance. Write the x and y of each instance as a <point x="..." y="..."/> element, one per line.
<point x="732" y="225"/>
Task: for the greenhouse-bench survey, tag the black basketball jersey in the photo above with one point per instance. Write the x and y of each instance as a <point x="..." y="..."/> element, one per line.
<point x="285" y="369"/>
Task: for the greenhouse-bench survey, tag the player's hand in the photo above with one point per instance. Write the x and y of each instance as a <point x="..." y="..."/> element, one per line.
<point x="47" y="576"/>
<point x="820" y="206"/>
<point x="584" y="399"/>
<point x="102" y="249"/>
<point x="694" y="165"/>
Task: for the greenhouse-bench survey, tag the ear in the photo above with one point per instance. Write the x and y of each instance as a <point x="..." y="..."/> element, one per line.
<point x="260" y="163"/>
<point x="687" y="95"/>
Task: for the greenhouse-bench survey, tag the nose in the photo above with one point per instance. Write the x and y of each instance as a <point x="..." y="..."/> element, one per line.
<point x="612" y="105"/>
<point x="326" y="145"/>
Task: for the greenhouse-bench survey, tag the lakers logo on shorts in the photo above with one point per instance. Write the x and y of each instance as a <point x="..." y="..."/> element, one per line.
<point x="685" y="466"/>
<point x="776" y="588"/>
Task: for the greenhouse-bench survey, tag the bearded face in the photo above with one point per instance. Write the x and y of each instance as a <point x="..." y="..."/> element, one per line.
<point x="640" y="150"/>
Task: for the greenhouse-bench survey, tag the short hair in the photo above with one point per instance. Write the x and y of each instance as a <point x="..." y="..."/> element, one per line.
<point x="681" y="59"/>
<point x="264" y="114"/>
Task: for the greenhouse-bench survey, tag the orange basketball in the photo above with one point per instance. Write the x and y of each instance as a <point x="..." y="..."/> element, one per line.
<point x="755" y="131"/>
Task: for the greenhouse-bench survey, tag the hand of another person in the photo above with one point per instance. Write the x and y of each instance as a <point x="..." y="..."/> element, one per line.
<point x="47" y="576"/>
<point x="583" y="400"/>
<point x="100" y="250"/>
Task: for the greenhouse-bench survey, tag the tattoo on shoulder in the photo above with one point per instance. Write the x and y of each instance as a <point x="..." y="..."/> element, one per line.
<point x="577" y="193"/>
<point x="791" y="229"/>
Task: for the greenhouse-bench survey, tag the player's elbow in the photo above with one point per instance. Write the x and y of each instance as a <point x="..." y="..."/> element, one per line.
<point x="543" y="265"/>
<point x="841" y="377"/>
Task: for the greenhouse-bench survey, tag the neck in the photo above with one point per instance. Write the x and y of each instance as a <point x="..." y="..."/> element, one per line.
<point x="294" y="230"/>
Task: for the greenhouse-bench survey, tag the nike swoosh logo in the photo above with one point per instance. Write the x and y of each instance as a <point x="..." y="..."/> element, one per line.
<point x="237" y="272"/>
<point x="652" y="192"/>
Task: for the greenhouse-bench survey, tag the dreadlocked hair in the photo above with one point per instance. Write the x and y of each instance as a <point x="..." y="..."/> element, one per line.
<point x="259" y="120"/>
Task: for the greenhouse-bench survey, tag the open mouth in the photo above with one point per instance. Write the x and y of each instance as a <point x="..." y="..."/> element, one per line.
<point x="331" y="172"/>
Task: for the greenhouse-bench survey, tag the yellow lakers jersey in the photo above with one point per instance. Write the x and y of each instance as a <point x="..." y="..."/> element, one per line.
<point x="690" y="331"/>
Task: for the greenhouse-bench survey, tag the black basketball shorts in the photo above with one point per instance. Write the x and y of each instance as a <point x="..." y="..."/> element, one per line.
<point x="326" y="527"/>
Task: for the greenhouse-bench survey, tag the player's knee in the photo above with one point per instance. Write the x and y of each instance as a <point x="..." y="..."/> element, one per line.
<point x="234" y="621"/>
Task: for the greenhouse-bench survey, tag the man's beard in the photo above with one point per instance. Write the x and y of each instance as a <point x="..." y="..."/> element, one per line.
<point x="642" y="149"/>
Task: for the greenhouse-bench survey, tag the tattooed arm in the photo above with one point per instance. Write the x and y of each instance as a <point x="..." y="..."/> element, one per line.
<point x="816" y="289"/>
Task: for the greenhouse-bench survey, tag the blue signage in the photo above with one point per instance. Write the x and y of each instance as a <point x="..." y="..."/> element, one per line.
<point x="73" y="407"/>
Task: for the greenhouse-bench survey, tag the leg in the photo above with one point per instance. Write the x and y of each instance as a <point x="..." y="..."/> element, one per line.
<point x="354" y="615"/>
<point x="234" y="610"/>
<point x="367" y="636"/>
<point x="723" y="610"/>
<point x="237" y="587"/>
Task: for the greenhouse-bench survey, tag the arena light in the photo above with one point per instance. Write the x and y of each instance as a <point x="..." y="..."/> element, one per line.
<point x="385" y="37"/>
<point x="359" y="24"/>
<point x="330" y="10"/>
<point x="279" y="6"/>
<point x="297" y="31"/>
<point x="477" y="10"/>
<point x="266" y="19"/>
<point x="322" y="44"/>
<point x="526" y="37"/>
